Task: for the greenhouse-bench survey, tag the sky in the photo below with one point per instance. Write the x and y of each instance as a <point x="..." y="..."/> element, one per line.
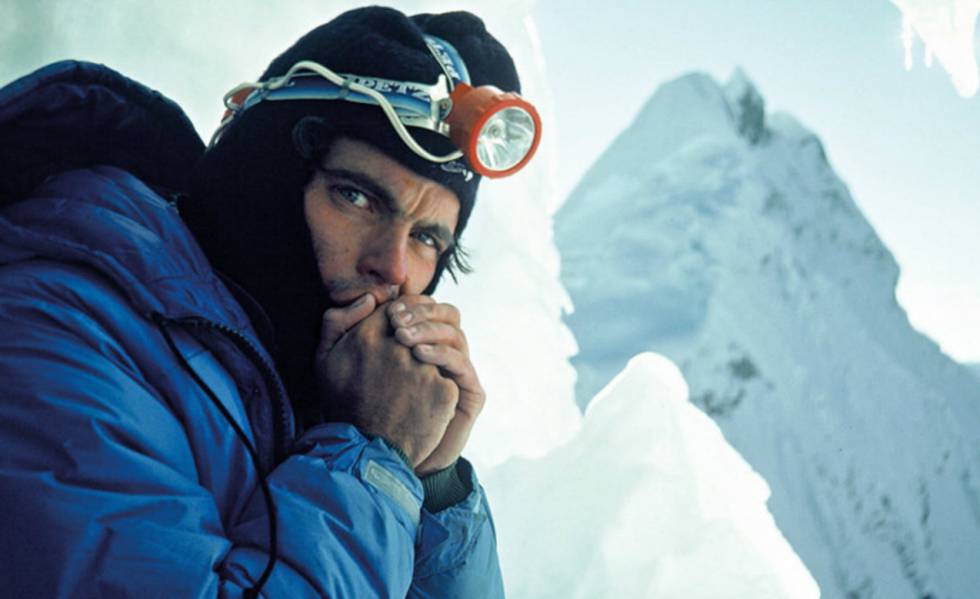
<point x="904" y="141"/>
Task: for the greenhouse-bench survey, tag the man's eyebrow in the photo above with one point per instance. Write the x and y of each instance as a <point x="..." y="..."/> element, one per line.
<point x="371" y="186"/>
<point x="367" y="183"/>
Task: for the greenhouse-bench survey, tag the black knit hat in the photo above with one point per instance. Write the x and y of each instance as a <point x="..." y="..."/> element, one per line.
<point x="382" y="42"/>
<point x="246" y="204"/>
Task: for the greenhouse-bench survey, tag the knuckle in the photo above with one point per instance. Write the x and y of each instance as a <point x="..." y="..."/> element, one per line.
<point x="332" y="318"/>
<point x="411" y="302"/>
<point x="464" y="344"/>
<point x="402" y="355"/>
<point x="434" y="375"/>
<point x="421" y="312"/>
<point x="405" y="300"/>
<point x="409" y="358"/>
<point x="441" y="353"/>
<point x="427" y="352"/>
<point x="361" y="329"/>
<point x="446" y="392"/>
<point x="406" y="336"/>
<point x="365" y="335"/>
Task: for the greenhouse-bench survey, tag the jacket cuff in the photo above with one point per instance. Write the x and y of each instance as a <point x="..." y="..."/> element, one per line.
<point x="447" y="487"/>
<point x="345" y="449"/>
<point x="400" y="454"/>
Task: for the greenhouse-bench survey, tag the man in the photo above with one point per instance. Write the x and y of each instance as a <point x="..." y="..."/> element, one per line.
<point x="257" y="394"/>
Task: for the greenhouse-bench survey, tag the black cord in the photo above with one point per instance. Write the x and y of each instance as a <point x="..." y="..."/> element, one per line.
<point x="252" y="592"/>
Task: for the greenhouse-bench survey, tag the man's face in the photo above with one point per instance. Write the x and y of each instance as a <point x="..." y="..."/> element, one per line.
<point x="376" y="226"/>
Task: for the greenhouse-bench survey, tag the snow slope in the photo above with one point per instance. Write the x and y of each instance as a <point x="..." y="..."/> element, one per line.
<point x="648" y="500"/>
<point x="720" y="236"/>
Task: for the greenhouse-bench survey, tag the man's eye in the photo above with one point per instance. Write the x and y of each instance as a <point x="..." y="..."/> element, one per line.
<point x="429" y="239"/>
<point x="353" y="195"/>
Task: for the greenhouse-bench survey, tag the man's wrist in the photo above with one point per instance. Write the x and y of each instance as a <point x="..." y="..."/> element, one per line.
<point x="447" y="487"/>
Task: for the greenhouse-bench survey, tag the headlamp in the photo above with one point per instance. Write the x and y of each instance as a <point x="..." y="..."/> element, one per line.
<point x="497" y="131"/>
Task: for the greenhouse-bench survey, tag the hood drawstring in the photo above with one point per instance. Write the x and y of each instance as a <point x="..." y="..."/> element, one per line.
<point x="252" y="592"/>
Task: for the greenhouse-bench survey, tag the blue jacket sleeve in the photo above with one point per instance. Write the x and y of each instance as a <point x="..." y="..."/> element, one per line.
<point x="108" y="480"/>
<point x="348" y="512"/>
<point x="456" y="552"/>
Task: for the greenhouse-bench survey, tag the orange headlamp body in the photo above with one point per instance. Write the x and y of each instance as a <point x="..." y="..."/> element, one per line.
<point x="472" y="109"/>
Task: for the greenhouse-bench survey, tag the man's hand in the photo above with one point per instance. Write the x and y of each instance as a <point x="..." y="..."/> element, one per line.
<point x="433" y="333"/>
<point x="375" y="383"/>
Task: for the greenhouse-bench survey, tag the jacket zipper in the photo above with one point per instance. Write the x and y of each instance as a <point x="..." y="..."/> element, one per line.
<point x="282" y="423"/>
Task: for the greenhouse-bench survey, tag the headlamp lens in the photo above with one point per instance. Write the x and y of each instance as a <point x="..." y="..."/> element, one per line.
<point x="505" y="139"/>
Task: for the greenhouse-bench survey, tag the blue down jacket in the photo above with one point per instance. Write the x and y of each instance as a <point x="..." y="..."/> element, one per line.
<point x="119" y="475"/>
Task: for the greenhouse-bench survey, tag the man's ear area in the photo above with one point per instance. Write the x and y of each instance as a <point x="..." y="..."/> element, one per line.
<point x="313" y="139"/>
<point x="455" y="262"/>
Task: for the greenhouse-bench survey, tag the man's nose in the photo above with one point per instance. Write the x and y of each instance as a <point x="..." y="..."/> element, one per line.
<point x="386" y="258"/>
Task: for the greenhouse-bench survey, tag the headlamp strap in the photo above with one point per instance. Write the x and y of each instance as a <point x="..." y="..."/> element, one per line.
<point x="234" y="103"/>
<point x="449" y="59"/>
<point x="345" y="88"/>
<point x="417" y="104"/>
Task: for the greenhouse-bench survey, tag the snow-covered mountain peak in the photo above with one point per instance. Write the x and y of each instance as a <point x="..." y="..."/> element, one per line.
<point x="735" y="249"/>
<point x="692" y="102"/>
<point x="717" y="205"/>
<point x="694" y="112"/>
<point x="681" y="111"/>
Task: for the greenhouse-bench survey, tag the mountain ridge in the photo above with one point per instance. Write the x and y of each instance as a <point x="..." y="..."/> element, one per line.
<point x="720" y="236"/>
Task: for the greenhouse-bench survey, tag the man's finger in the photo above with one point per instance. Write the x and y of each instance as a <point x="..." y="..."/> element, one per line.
<point x="398" y="309"/>
<point x="433" y="333"/>
<point x="453" y="363"/>
<point x="409" y="300"/>
<point x="403" y="313"/>
<point x="337" y="321"/>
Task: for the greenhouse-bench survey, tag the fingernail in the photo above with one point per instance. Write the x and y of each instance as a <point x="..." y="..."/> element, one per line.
<point x="397" y="307"/>
<point x="404" y="318"/>
<point x="425" y="349"/>
<point x="361" y="302"/>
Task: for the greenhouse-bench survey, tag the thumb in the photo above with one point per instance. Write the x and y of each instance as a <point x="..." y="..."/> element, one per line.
<point x="337" y="321"/>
